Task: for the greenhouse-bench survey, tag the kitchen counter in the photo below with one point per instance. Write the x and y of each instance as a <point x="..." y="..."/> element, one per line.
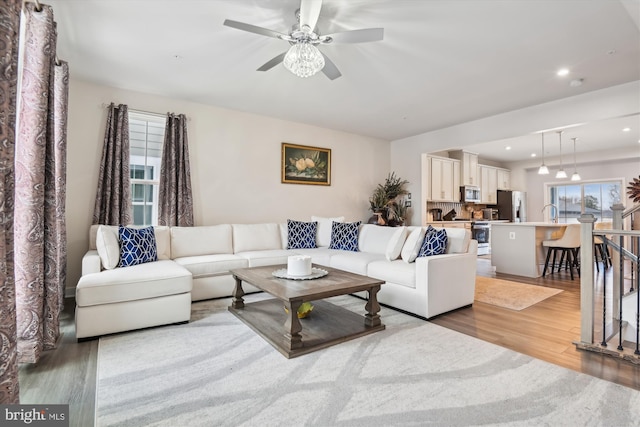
<point x="516" y="247"/>
<point x="450" y="224"/>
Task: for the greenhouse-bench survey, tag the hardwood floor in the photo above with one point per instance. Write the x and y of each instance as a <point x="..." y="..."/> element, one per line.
<point x="64" y="375"/>
<point x="545" y="331"/>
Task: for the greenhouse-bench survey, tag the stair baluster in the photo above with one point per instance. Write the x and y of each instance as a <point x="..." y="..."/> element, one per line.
<point x="604" y="311"/>
<point x="621" y="241"/>
<point x="637" y="352"/>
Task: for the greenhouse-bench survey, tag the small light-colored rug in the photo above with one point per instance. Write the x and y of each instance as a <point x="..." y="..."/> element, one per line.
<point x="511" y="295"/>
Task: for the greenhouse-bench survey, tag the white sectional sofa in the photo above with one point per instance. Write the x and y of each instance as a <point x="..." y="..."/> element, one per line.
<point x="194" y="262"/>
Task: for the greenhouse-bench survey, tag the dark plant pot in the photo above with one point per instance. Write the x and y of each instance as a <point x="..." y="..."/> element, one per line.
<point x="379" y="217"/>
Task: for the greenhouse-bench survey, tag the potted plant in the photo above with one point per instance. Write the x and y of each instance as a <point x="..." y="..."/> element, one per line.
<point x="387" y="209"/>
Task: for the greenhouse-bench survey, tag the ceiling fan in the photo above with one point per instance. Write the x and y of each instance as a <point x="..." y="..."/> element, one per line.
<point x="303" y="57"/>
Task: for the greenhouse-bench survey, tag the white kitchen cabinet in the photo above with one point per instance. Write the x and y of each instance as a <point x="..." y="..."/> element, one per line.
<point x="504" y="179"/>
<point x="456" y="181"/>
<point x="468" y="167"/>
<point x="444" y="179"/>
<point x="488" y="184"/>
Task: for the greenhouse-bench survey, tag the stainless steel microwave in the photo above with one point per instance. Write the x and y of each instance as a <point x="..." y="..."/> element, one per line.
<point x="469" y="194"/>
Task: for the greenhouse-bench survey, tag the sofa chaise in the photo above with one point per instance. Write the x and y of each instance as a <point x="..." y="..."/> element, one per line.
<point x="193" y="264"/>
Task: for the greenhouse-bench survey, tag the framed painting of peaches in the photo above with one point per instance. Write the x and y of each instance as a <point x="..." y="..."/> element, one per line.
<point x="306" y="165"/>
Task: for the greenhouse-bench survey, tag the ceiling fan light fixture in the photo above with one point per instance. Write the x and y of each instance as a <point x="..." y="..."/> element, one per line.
<point x="303" y="59"/>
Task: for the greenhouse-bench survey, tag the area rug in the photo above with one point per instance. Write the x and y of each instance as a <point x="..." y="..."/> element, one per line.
<point x="511" y="295"/>
<point x="216" y="371"/>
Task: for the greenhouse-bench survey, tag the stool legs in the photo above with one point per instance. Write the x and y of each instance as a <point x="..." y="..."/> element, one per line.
<point x="568" y="258"/>
<point x="546" y="261"/>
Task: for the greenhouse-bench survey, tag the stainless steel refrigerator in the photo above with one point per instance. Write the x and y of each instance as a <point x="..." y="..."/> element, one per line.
<point x="512" y="205"/>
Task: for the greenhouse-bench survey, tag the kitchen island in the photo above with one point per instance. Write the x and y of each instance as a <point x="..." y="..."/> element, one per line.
<point x="516" y="247"/>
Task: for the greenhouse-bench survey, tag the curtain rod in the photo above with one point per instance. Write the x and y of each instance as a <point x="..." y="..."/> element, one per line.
<point x="151" y="113"/>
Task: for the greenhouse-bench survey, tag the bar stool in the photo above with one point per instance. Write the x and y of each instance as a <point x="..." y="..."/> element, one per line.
<point x="599" y="249"/>
<point x="568" y="246"/>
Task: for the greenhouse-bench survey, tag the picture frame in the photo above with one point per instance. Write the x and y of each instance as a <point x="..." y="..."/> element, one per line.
<point x="303" y="164"/>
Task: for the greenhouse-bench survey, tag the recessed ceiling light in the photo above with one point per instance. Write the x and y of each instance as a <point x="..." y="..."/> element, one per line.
<point x="563" y="72"/>
<point x="626" y="130"/>
<point x="533" y="154"/>
<point x="507" y="148"/>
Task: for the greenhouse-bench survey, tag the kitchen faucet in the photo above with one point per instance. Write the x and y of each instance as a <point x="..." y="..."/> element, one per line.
<point x="553" y="219"/>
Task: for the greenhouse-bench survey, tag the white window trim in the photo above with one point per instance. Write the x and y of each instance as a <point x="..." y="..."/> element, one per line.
<point x="547" y="192"/>
<point x="145" y="161"/>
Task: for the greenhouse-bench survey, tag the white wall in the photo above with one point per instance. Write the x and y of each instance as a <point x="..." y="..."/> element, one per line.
<point x="235" y="165"/>
<point x="597" y="105"/>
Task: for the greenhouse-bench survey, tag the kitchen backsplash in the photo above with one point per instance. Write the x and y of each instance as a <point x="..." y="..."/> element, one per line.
<point x="463" y="211"/>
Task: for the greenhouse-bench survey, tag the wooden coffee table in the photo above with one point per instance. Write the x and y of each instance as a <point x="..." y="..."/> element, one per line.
<point x="326" y="325"/>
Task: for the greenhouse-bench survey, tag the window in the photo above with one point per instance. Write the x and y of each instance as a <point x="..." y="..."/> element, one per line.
<point x="146" y="137"/>
<point x="594" y="198"/>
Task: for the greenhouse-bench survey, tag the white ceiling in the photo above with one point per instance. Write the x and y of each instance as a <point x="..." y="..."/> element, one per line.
<point x="441" y="63"/>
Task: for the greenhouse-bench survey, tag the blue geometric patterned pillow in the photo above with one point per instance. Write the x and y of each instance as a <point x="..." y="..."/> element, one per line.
<point x="344" y="236"/>
<point x="301" y="235"/>
<point x="137" y="246"/>
<point x="434" y="243"/>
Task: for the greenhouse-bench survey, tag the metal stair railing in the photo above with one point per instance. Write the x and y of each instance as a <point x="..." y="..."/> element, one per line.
<point x="587" y="284"/>
<point x="623" y="253"/>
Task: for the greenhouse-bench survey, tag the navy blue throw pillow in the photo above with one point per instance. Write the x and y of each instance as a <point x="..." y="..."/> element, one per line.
<point x="301" y="235"/>
<point x="434" y="243"/>
<point x="137" y="246"/>
<point x="344" y="236"/>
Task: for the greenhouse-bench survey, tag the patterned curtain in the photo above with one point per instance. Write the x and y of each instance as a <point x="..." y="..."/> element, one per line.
<point x="40" y="187"/>
<point x="113" y="199"/>
<point x="9" y="28"/>
<point x="175" y="200"/>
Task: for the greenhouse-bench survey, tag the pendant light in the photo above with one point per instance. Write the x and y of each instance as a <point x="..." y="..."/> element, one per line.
<point x="544" y="170"/>
<point x="576" y="175"/>
<point x="561" y="173"/>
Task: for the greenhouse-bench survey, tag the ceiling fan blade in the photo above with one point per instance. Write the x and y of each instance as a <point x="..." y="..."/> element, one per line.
<point x="309" y="12"/>
<point x="358" y="36"/>
<point x="330" y="70"/>
<point x="272" y="63"/>
<point x="253" y="29"/>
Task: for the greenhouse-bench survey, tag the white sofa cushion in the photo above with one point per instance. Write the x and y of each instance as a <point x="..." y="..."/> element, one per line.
<point x="324" y="229"/>
<point x="256" y="237"/>
<point x="108" y="246"/>
<point x="398" y="271"/>
<point x="320" y="256"/>
<point x="266" y="257"/>
<point x="354" y="262"/>
<point x="412" y="245"/>
<point x="142" y="281"/>
<point x="212" y="265"/>
<point x="202" y="240"/>
<point x="382" y="240"/>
